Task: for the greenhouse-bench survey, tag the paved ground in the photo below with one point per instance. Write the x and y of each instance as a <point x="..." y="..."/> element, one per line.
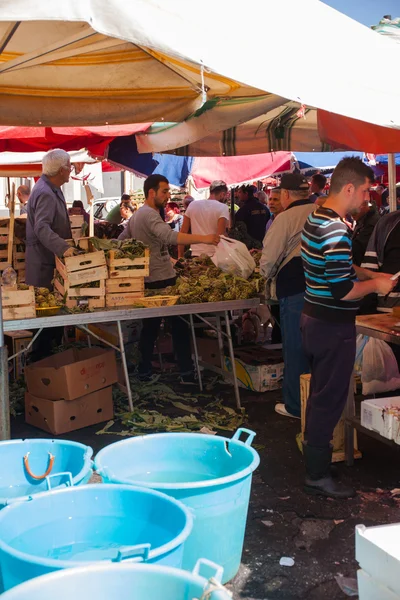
<point x="283" y="521"/>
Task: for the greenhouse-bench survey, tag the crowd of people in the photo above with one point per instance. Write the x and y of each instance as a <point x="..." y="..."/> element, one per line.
<point x="326" y="255"/>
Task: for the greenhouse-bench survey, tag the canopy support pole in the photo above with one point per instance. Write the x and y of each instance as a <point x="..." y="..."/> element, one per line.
<point x="392" y="182"/>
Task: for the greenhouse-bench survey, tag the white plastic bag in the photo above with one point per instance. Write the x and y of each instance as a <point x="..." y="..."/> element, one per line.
<point x="233" y="257"/>
<point x="380" y="372"/>
<point x="361" y="343"/>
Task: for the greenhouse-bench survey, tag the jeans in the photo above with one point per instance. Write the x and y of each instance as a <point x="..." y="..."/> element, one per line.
<point x="294" y="357"/>
<point x="331" y="350"/>
<point x="180" y="338"/>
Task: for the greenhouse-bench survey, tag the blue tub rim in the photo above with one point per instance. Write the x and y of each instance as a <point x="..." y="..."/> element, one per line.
<point x="88" y="465"/>
<point x="59" y="564"/>
<point x="197" y="576"/>
<point x="193" y="485"/>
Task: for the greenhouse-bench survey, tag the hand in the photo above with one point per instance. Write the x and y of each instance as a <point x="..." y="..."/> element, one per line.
<point x="70" y="252"/>
<point x="213" y="239"/>
<point x="384" y="285"/>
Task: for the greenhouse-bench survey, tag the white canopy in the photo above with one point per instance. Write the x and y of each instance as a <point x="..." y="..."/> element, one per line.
<point x="91" y="62"/>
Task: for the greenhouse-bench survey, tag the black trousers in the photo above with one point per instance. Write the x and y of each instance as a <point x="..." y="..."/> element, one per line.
<point x="330" y="349"/>
<point x="44" y="344"/>
<point x="180" y="337"/>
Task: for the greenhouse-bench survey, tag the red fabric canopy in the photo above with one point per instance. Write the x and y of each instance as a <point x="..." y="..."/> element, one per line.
<point x="95" y="139"/>
<point x="235" y="169"/>
<point x="351" y="134"/>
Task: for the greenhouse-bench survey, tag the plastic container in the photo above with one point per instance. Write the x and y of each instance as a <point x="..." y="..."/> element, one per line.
<point x="210" y="474"/>
<point x="371" y="589"/>
<point x="125" y="582"/>
<point x="378" y="554"/>
<point x="68" y="527"/>
<point x="21" y="477"/>
<point x="381" y="415"/>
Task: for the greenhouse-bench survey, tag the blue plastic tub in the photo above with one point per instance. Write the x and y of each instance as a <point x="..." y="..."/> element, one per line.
<point x="210" y="474"/>
<point x="68" y="527"/>
<point x="24" y="464"/>
<point x="125" y="582"/>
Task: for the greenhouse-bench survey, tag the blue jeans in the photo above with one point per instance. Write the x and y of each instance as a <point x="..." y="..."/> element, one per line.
<point x="294" y="357"/>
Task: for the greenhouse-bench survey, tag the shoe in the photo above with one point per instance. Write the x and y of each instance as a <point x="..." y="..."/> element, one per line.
<point x="319" y="480"/>
<point x="188" y="378"/>
<point x="280" y="408"/>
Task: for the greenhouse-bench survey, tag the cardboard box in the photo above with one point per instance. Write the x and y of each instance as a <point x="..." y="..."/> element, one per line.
<point x="72" y="374"/>
<point x="257" y="368"/>
<point x="17" y="341"/>
<point x="109" y="332"/>
<point x="60" y="416"/>
<point x="208" y="351"/>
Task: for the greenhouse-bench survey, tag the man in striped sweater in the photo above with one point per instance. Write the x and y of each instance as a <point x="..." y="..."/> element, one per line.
<point x="334" y="287"/>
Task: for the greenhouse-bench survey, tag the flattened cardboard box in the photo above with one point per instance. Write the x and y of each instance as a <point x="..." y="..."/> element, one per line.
<point x="60" y="416"/>
<point x="257" y="369"/>
<point x="72" y="374"/>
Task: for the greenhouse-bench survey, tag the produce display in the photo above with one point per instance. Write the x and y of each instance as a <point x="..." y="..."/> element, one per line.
<point x="239" y="233"/>
<point x="199" y="280"/>
<point x="122" y="248"/>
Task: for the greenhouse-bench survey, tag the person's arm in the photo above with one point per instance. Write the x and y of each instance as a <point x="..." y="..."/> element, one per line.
<point x="274" y="245"/>
<point x="126" y="233"/>
<point x="241" y="214"/>
<point x="188" y="238"/>
<point x="162" y="231"/>
<point x="45" y="213"/>
<point x="184" y="229"/>
<point x="222" y="226"/>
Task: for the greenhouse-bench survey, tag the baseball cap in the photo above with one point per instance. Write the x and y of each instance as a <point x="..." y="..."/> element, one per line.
<point x="293" y="182"/>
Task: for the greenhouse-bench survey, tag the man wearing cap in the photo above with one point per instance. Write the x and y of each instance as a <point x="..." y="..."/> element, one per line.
<point x="206" y="217"/>
<point x="281" y="265"/>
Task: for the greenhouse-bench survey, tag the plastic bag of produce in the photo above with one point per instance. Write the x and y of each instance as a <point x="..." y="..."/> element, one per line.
<point x="380" y="372"/>
<point x="232" y="256"/>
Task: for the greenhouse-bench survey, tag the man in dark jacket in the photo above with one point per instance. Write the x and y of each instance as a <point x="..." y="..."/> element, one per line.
<point x="366" y="218"/>
<point x="48" y="224"/>
<point x="253" y="213"/>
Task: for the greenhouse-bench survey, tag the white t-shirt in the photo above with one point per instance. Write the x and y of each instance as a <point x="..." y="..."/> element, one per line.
<point x="204" y="216"/>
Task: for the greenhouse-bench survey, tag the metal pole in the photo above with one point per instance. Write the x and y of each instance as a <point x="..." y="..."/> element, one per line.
<point x="4" y="393"/>
<point x="196" y="354"/>
<point x="232" y="207"/>
<point x="220" y="341"/>
<point x="232" y="357"/>
<point x="124" y="365"/>
<point x="349" y="414"/>
<point x="392" y="182"/>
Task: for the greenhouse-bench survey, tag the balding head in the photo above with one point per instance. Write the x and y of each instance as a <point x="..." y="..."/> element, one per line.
<point x="23" y="193"/>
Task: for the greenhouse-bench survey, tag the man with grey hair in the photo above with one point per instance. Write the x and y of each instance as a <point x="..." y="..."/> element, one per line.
<point x="23" y="193"/>
<point x="206" y="217"/>
<point x="48" y="224"/>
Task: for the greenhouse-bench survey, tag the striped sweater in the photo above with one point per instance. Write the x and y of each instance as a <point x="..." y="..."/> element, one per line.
<point x="328" y="267"/>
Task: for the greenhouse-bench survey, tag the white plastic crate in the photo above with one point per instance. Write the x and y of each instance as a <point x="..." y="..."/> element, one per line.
<point x="380" y="415"/>
<point x="378" y="554"/>
<point x="371" y="589"/>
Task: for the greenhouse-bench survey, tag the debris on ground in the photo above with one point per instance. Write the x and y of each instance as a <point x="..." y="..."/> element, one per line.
<point x="286" y="561"/>
<point x="348" y="585"/>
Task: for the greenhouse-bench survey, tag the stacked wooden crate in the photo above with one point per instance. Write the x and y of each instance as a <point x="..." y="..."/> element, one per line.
<point x="81" y="279"/>
<point x="77" y="222"/>
<point x="4" y="237"/>
<point x="125" y="283"/>
<point x="18" y="304"/>
<point x="19" y="259"/>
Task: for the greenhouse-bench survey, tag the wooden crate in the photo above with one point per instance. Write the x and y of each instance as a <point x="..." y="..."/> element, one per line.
<point x="21" y="276"/>
<point x="155" y="301"/>
<point x="18" y="257"/>
<point x="83" y="268"/>
<point x="84" y="291"/>
<point x="4" y="230"/>
<point x="76" y="221"/>
<point x="81" y="242"/>
<point x="3" y="257"/>
<point x="338" y="434"/>
<point x="18" y="304"/>
<point x="123" y="291"/>
<point x="99" y="302"/>
<point x="127" y="268"/>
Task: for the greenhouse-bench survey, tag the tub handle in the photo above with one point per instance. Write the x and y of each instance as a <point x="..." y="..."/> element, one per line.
<point x="251" y="435"/>
<point x="208" y="569"/>
<point x="66" y="474"/>
<point x="133" y="552"/>
<point x="48" y="470"/>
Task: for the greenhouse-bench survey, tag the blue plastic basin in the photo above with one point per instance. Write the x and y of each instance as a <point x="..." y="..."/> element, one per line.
<point x="72" y="465"/>
<point x="124" y="582"/>
<point x="65" y="528"/>
<point x="210" y="474"/>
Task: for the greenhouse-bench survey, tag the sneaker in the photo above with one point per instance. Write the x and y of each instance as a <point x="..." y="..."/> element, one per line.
<point x="281" y="410"/>
<point x="188" y="379"/>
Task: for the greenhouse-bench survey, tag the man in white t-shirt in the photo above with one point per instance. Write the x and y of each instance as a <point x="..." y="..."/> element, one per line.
<point x="204" y="217"/>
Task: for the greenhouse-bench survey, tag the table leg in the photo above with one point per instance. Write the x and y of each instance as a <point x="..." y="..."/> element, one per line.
<point x="232" y="357"/>
<point x="196" y="354"/>
<point x="220" y="341"/>
<point x="5" y="431"/>
<point x="124" y="365"/>
<point x="350" y="412"/>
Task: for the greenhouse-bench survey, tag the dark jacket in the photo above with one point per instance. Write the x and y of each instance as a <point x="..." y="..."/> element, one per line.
<point x="255" y="216"/>
<point x="361" y="234"/>
<point x="47" y="228"/>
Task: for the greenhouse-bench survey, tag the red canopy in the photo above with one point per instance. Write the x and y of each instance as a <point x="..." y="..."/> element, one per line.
<point x="95" y="139"/>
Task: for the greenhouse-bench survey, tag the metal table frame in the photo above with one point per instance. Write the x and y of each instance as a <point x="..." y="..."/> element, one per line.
<point x="82" y="320"/>
<point x="351" y="421"/>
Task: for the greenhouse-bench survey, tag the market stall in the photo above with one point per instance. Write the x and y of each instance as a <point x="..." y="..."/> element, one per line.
<point x="385" y="327"/>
